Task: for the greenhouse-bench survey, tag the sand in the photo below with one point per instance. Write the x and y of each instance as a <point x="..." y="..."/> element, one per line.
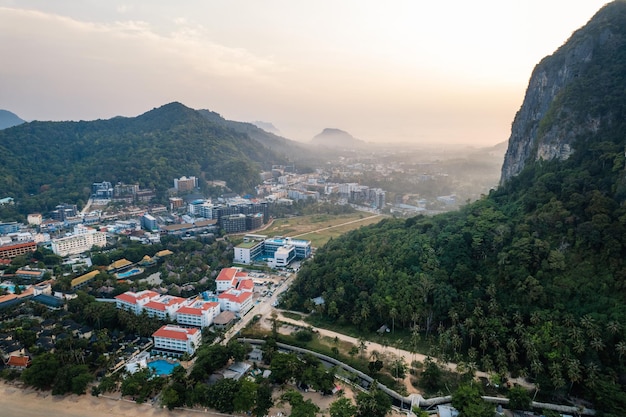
<point x="16" y="401"/>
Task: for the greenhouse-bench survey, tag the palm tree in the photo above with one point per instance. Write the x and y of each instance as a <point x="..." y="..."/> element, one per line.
<point x="620" y="347"/>
<point x="393" y="313"/>
<point x="362" y="346"/>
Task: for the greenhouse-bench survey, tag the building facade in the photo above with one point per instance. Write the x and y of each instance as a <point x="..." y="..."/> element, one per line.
<point x="176" y="340"/>
<point x="81" y="241"/>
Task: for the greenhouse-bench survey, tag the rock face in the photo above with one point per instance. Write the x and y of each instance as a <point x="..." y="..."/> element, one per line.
<point x="560" y="106"/>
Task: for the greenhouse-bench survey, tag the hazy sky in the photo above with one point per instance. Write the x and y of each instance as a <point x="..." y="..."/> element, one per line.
<point x="422" y="71"/>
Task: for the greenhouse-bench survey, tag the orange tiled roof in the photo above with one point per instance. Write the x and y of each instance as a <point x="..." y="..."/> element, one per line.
<point x="171" y="332"/>
<point x="226" y="274"/>
<point x="21" y="361"/>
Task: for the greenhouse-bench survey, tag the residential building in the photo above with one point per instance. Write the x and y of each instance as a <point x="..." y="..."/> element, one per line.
<point x="11" y="250"/>
<point x="176" y="340"/>
<point x="103" y="190"/>
<point x="82" y="240"/>
<point x="236" y="290"/>
<point x="6" y="228"/>
<point x="164" y="307"/>
<point x="237" y="301"/>
<point x="134" y="301"/>
<point x="229" y="278"/>
<point x="197" y="312"/>
<point x="34" y="219"/>
<point x="63" y="211"/>
<point x="185" y="184"/>
<point x="234" y="223"/>
<point x="148" y="222"/>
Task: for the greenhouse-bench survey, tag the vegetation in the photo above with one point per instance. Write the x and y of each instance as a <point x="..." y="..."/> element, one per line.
<point x="58" y="161"/>
<point x="527" y="281"/>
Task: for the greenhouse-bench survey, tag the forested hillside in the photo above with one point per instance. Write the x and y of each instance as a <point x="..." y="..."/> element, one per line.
<point x="46" y="163"/>
<point x="530" y="280"/>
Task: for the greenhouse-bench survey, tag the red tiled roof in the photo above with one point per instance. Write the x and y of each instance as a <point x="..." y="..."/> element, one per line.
<point x="236" y="298"/>
<point x="22" y="361"/>
<point x="127" y="298"/>
<point x="155" y="305"/>
<point x="190" y="310"/>
<point x="241" y="275"/>
<point x="246" y="284"/>
<point x="171" y="332"/>
<point x="226" y="274"/>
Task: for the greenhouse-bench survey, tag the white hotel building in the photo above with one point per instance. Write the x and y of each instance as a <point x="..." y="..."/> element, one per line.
<point x="198" y="313"/>
<point x="83" y="239"/>
<point x="189" y="312"/>
<point x="175" y="340"/>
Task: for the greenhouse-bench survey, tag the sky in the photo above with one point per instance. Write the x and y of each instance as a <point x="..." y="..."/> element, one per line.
<point x="449" y="72"/>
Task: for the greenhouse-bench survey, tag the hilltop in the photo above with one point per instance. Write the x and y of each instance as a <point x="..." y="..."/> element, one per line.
<point x="45" y="163"/>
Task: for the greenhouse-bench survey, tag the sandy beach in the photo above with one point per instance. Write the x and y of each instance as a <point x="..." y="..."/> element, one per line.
<point x="16" y="401"/>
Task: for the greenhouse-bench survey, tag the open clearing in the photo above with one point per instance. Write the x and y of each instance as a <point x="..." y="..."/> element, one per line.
<point x="319" y="228"/>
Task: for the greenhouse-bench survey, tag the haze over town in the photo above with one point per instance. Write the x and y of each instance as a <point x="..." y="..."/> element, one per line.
<point x="445" y="72"/>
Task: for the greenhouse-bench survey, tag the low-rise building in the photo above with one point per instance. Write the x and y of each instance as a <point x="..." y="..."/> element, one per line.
<point x="198" y="313"/>
<point x="164" y="307"/>
<point x="176" y="340"/>
<point x="134" y="301"/>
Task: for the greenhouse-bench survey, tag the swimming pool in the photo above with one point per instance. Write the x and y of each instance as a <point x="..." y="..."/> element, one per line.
<point x="130" y="273"/>
<point x="11" y="287"/>
<point x="162" y="367"/>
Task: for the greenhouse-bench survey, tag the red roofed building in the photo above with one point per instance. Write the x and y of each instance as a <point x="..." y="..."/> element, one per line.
<point x="176" y="340"/>
<point x="227" y="278"/>
<point x="164" y="306"/>
<point x="18" y="362"/>
<point x="135" y="301"/>
<point x="237" y="301"/>
<point x="197" y="313"/>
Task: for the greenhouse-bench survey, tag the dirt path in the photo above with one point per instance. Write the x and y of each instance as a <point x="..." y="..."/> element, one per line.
<point x="398" y="353"/>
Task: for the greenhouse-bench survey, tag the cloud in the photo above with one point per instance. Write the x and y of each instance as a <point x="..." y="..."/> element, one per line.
<point x="46" y="56"/>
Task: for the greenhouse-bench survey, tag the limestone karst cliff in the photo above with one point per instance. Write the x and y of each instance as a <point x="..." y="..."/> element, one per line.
<point x="574" y="94"/>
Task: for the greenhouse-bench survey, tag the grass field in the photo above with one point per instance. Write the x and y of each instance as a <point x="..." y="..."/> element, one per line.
<point x="319" y="228"/>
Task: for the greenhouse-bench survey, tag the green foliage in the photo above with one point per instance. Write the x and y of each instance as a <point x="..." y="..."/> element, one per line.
<point x="519" y="398"/>
<point x="58" y="161"/>
<point x="374" y="403"/>
<point x="466" y="399"/>
<point x="343" y="407"/>
<point x="42" y="371"/>
<point x="299" y="407"/>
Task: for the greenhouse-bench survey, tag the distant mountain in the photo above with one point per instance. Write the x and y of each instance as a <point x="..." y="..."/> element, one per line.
<point x="45" y="163"/>
<point x="8" y="119"/>
<point x="336" y="138"/>
<point x="286" y="147"/>
<point x="268" y="127"/>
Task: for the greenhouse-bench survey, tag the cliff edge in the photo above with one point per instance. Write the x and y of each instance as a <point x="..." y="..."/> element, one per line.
<point x="572" y="94"/>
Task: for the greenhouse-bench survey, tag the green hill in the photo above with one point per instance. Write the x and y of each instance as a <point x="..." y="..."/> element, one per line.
<point x="529" y="280"/>
<point x="45" y="163"/>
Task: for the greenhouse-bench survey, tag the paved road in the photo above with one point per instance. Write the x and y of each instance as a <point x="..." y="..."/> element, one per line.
<point x="264" y="308"/>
